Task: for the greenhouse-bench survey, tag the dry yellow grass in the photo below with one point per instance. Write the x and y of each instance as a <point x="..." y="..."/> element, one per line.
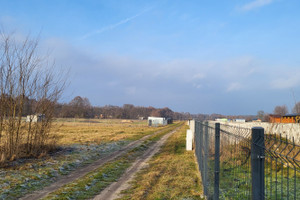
<point x="82" y="131"/>
<point x="171" y="174"/>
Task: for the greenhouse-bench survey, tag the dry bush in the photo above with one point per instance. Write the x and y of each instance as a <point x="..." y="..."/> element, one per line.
<point x="26" y="80"/>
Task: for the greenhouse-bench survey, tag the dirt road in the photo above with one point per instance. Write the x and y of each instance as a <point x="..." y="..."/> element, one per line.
<point x="83" y="171"/>
<point x="114" y="190"/>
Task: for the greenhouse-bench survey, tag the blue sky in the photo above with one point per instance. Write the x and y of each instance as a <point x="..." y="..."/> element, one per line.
<point x="205" y="56"/>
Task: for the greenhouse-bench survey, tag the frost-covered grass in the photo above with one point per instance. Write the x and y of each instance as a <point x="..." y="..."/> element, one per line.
<point x="95" y="181"/>
<point x="35" y="174"/>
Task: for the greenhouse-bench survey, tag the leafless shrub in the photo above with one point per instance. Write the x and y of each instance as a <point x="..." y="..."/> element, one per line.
<point x="25" y="75"/>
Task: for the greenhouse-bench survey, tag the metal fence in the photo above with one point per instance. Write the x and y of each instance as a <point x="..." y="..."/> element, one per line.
<point x="242" y="163"/>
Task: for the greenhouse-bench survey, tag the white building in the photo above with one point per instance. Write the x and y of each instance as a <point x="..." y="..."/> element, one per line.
<point x="155" y="121"/>
<point x="240" y="120"/>
<point x="35" y="118"/>
<point x="221" y="120"/>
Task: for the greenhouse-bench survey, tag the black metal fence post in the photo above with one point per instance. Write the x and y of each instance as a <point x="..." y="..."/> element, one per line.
<point x="201" y="148"/>
<point x="257" y="163"/>
<point x="206" y="148"/>
<point x="217" y="162"/>
<point x="197" y="141"/>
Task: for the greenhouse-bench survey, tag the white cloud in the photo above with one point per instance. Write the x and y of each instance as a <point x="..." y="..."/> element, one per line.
<point x="130" y="90"/>
<point x="290" y="81"/>
<point x="234" y="87"/>
<point x="198" y="76"/>
<point x="255" y="4"/>
<point x="198" y="86"/>
<point x="140" y="79"/>
<point x="113" y="83"/>
<point x="182" y="70"/>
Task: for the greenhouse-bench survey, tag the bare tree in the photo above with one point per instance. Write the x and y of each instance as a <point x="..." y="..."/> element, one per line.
<point x="81" y="107"/>
<point x="260" y="114"/>
<point x="280" y="110"/>
<point x="25" y="75"/>
<point x="296" y="108"/>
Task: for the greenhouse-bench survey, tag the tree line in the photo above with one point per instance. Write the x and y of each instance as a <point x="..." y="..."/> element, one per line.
<point x="80" y="107"/>
<point x="283" y="109"/>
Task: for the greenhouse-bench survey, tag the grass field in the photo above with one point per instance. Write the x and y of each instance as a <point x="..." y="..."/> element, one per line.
<point x="96" y="131"/>
<point x="81" y="142"/>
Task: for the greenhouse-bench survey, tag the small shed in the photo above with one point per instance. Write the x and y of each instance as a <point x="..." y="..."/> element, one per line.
<point x="155" y="121"/>
<point x="240" y="120"/>
<point x="35" y="118"/>
<point x="221" y="120"/>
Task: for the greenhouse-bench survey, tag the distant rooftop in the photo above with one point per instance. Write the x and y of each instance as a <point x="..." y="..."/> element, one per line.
<point x="292" y="115"/>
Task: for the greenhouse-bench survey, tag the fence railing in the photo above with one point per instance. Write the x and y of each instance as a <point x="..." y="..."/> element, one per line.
<point x="243" y="163"/>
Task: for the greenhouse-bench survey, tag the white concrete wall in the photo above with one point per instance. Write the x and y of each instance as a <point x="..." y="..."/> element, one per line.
<point x="192" y="126"/>
<point x="285" y="129"/>
<point x="189" y="140"/>
<point x="190" y="135"/>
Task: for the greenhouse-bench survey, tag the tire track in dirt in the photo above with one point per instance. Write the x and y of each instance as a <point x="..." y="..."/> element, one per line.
<point x="113" y="191"/>
<point x="78" y="173"/>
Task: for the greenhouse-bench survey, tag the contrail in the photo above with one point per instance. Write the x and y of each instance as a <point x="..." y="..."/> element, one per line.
<point x="255" y="4"/>
<point x="112" y="26"/>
